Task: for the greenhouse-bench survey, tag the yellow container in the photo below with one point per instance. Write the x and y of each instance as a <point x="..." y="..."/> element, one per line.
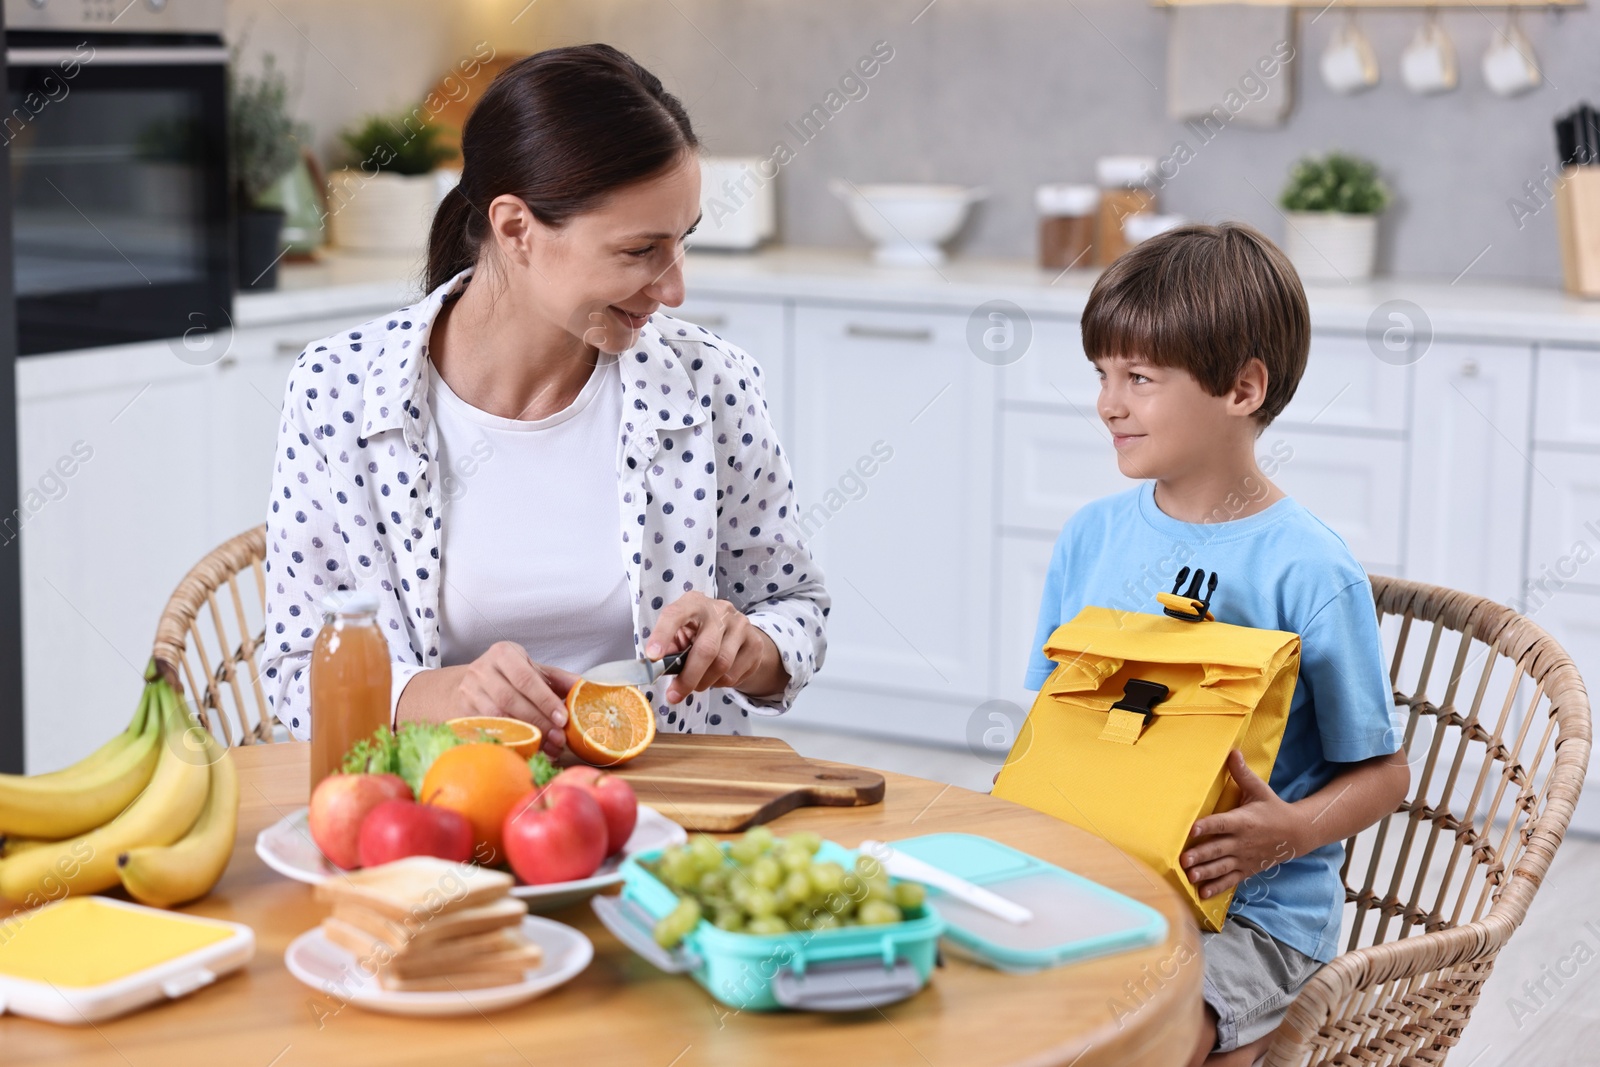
<point x="1142" y="781"/>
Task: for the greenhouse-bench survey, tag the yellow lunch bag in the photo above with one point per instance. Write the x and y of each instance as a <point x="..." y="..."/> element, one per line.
<point x="1129" y="734"/>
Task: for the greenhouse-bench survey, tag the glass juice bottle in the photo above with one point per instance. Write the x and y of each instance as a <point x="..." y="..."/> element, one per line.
<point x="349" y="680"/>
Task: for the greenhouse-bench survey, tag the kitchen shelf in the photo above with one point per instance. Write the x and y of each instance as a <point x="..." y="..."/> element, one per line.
<point x="1413" y="4"/>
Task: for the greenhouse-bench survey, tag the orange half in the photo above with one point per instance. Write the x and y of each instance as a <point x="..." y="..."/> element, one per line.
<point x="520" y="737"/>
<point x="608" y="724"/>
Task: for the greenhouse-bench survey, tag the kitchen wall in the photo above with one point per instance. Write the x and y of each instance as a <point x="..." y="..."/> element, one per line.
<point x="1010" y="93"/>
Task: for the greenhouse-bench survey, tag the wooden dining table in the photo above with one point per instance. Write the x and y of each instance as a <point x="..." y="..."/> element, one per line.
<point x="1134" y="1009"/>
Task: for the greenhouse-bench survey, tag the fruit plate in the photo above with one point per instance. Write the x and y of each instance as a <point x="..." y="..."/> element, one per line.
<point x="321" y="964"/>
<point x="287" y="848"/>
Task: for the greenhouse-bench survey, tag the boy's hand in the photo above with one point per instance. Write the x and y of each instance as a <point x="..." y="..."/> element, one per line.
<point x="1263" y="831"/>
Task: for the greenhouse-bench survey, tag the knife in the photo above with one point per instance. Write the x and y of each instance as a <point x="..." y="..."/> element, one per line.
<point x="635" y="671"/>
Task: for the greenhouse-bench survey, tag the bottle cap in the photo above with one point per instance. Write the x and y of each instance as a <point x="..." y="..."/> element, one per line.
<point x="1124" y="172"/>
<point x="1071" y="201"/>
<point x="350" y="602"/>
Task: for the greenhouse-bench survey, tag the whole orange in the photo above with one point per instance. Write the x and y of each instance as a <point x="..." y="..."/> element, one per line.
<point x="481" y="781"/>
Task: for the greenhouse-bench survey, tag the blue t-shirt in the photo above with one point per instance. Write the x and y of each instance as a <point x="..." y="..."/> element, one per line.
<point x="1279" y="569"/>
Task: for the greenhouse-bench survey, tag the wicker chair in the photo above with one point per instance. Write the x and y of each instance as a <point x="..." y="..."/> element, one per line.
<point x="209" y="648"/>
<point x="1433" y="891"/>
<point x="1498" y="740"/>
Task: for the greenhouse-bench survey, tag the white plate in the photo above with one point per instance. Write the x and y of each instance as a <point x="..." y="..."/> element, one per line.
<point x="324" y="966"/>
<point x="287" y="848"/>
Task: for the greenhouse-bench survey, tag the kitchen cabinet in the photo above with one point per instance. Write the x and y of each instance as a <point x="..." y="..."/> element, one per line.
<point x="1469" y="468"/>
<point x="893" y="446"/>
<point x="117" y="484"/>
<point x="1354" y="483"/>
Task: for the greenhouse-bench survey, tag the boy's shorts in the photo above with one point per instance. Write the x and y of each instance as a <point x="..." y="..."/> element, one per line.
<point x="1250" y="980"/>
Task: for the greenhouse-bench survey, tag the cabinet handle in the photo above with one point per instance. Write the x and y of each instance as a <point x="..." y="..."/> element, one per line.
<point x="227" y="361"/>
<point x="1469" y="368"/>
<point x="287" y="347"/>
<point x="710" y="322"/>
<point x="889" y="333"/>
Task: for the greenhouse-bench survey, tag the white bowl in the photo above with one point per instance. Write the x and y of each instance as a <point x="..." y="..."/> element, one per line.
<point x="907" y="222"/>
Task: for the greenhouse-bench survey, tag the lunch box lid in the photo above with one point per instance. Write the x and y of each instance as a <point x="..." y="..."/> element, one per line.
<point x="1074" y="918"/>
<point x="89" y="958"/>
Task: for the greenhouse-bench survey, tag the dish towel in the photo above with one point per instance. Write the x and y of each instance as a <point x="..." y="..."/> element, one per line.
<point x="1228" y="63"/>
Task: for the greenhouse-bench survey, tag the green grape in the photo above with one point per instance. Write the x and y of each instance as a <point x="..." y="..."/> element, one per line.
<point x="766" y="924"/>
<point x="797" y="885"/>
<point x="761" y="835"/>
<point x="806" y="839"/>
<point x="676" y="924"/>
<point x="794" y="858"/>
<point x="761" y="902"/>
<point x="766" y="873"/>
<point x="744" y="850"/>
<point x="878" y="912"/>
<point x="707" y="853"/>
<point x="908" y="896"/>
<point x="826" y="877"/>
<point x="729" y="919"/>
<point x="868" y="867"/>
<point x="711" y="884"/>
<point x="821" y="920"/>
<point x="678" y="869"/>
<point x="879" y="889"/>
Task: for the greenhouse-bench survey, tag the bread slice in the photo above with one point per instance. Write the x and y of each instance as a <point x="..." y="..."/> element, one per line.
<point x="417" y="888"/>
<point x="450" y="983"/>
<point x="405" y="934"/>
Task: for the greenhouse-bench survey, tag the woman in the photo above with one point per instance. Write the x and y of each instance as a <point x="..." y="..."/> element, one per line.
<point x="535" y="470"/>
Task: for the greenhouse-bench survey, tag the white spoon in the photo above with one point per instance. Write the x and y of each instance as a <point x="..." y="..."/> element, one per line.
<point x="901" y="865"/>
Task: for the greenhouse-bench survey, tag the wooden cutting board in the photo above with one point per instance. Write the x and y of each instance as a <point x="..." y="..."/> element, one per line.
<point x="720" y="783"/>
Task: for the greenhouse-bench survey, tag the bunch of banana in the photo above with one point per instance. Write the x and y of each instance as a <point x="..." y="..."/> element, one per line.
<point x="169" y="841"/>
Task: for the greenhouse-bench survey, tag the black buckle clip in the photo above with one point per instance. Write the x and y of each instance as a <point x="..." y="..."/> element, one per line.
<point x="1142" y="696"/>
<point x="1193" y="593"/>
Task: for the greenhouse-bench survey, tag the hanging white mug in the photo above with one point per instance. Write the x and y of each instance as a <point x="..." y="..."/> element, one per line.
<point x="1349" y="63"/>
<point x="1509" y="67"/>
<point x="1428" y="65"/>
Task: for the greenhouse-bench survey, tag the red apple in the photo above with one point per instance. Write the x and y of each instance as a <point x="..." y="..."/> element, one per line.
<point x="555" y="835"/>
<point x="338" y="806"/>
<point x="615" y="796"/>
<point x="396" y="829"/>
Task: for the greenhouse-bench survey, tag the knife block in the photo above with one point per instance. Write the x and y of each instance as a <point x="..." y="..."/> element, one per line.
<point x="1578" y="222"/>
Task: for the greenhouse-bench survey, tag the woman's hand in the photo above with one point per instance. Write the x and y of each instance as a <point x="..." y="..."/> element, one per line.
<point x="729" y="650"/>
<point x="506" y="682"/>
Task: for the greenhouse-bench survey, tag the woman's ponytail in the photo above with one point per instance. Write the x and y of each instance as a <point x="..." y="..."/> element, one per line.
<point x="452" y="246"/>
<point x="561" y="129"/>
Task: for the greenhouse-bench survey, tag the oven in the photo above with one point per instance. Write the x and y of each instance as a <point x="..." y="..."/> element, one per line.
<point x="116" y="122"/>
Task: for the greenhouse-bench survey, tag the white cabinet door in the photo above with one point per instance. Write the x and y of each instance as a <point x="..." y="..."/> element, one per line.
<point x="1470" y="451"/>
<point x="761" y="328"/>
<point x="1564" y="528"/>
<point x="1344" y="385"/>
<point x="894" y="442"/>
<point x="1024" y="562"/>
<point x="116" y="492"/>
<point x="1569" y="383"/>
<point x="1051" y="464"/>
<point x="1355" y="484"/>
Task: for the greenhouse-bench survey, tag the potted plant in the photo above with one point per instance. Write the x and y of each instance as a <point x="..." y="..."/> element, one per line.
<point x="385" y="199"/>
<point x="263" y="143"/>
<point x="1332" y="205"/>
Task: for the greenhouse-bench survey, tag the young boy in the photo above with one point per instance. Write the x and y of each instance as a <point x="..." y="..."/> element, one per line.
<point x="1199" y="337"/>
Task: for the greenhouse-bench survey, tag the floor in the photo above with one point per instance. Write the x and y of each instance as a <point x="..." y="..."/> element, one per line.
<point x="1542" y="1004"/>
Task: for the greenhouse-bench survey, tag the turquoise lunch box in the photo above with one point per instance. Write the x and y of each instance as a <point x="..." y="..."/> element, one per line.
<point x="844" y="969"/>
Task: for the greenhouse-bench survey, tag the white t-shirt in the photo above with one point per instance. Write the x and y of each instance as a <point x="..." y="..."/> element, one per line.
<point x="529" y="549"/>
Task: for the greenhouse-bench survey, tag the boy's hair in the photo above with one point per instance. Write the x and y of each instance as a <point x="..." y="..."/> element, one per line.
<point x="1205" y="299"/>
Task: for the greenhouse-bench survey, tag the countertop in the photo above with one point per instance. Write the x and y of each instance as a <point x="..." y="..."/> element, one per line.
<point x="341" y="283"/>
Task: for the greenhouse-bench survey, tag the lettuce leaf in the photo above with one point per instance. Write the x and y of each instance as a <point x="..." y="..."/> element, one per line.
<point x="378" y="754"/>
<point x="419" y="745"/>
<point x="543" y="770"/>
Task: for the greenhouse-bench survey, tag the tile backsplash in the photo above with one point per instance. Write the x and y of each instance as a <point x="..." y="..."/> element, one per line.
<point x="1005" y="94"/>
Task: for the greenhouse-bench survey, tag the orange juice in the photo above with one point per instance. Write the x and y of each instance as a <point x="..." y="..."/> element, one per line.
<point x="349" y="680"/>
